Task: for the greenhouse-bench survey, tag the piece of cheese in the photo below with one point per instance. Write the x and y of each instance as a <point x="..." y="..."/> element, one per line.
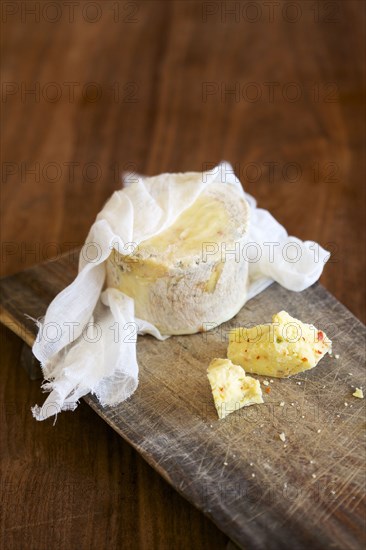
<point x="193" y="275"/>
<point x="231" y="388"/>
<point x="358" y="393"/>
<point x="283" y="348"/>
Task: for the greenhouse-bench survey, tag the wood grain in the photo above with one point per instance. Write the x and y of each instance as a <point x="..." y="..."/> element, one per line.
<point x="162" y="119"/>
<point x="261" y="492"/>
<point x="161" y="55"/>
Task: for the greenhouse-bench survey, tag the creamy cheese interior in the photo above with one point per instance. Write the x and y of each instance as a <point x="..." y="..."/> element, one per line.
<point x="203" y="222"/>
<point x="197" y="235"/>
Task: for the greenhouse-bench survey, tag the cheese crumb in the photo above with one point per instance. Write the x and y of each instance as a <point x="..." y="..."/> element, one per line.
<point x="337" y="356"/>
<point x="345" y="404"/>
<point x="225" y="463"/>
<point x="319" y="431"/>
<point x="265" y="383"/>
<point x="282" y="436"/>
<point x="358" y="393"/>
<point x="253" y="475"/>
<point x="313" y="476"/>
<point x="282" y="404"/>
<point x="231" y="388"/>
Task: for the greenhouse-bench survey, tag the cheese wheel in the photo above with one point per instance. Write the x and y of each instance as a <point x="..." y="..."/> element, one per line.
<point x="193" y="275"/>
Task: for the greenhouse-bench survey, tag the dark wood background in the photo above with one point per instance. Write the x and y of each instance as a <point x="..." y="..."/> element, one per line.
<point x="88" y="92"/>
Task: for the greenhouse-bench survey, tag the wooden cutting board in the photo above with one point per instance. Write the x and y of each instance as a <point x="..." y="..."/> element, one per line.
<point x="306" y="492"/>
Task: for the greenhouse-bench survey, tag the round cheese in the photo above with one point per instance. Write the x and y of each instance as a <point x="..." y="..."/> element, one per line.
<point x="193" y="275"/>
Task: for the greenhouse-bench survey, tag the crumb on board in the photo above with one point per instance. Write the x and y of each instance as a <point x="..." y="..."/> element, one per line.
<point x="225" y="463"/>
<point x="313" y="476"/>
<point x="265" y="383"/>
<point x="358" y="393"/>
<point x="282" y="436"/>
<point x="282" y="404"/>
<point x="336" y="356"/>
<point x="345" y="404"/>
<point x="318" y="431"/>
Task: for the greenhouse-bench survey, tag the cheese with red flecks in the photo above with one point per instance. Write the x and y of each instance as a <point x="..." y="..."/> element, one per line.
<point x="279" y="349"/>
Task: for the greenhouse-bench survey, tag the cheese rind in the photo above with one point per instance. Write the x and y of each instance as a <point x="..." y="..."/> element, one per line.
<point x="193" y="275"/>
<point x="231" y="388"/>
<point x="280" y="349"/>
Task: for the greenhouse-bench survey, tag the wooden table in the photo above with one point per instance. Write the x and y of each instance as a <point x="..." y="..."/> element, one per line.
<point x="106" y="87"/>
